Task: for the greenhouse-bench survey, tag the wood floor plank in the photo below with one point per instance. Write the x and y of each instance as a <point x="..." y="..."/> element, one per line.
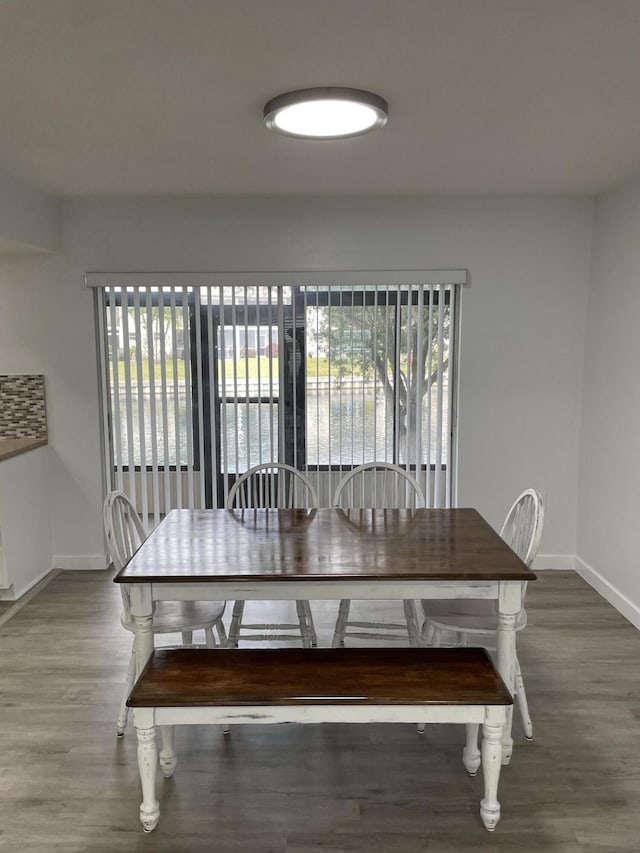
<point x="67" y="784"/>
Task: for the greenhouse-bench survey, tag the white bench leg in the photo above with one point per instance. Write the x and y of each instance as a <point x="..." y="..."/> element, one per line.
<point x="147" y="767"/>
<point x="492" y="733"/>
<point x="471" y="753"/>
<point x="168" y="757"/>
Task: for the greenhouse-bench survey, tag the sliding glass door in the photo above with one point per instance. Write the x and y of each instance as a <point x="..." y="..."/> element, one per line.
<point x="201" y="383"/>
<point x="251" y="369"/>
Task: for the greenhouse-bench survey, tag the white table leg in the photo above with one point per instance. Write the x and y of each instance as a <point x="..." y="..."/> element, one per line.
<point x="141" y="606"/>
<point x="509" y="605"/>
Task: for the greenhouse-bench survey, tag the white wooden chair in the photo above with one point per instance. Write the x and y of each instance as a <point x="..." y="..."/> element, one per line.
<point x="478" y="619"/>
<point x="377" y="485"/>
<point x="125" y="533"/>
<point x="273" y="485"/>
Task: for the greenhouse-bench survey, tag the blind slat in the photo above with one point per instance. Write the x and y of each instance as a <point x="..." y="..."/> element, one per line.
<point x="139" y="391"/>
<point x="164" y="401"/>
<point x="153" y="461"/>
<point x="131" y="489"/>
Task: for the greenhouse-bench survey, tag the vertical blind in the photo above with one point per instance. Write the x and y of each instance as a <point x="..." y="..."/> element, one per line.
<point x="202" y="382"/>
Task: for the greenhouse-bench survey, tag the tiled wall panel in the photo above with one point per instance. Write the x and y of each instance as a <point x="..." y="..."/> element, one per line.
<point x="22" y="407"/>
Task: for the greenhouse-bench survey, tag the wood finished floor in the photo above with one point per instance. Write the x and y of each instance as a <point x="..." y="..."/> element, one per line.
<point x="67" y="784"/>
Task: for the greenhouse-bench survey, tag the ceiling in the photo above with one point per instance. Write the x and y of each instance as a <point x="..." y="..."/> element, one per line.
<point x="165" y="97"/>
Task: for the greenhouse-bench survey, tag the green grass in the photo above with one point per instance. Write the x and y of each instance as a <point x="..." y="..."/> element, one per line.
<point x="316" y="368"/>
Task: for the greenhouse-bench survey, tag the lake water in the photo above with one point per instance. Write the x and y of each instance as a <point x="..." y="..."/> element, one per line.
<point x="341" y="428"/>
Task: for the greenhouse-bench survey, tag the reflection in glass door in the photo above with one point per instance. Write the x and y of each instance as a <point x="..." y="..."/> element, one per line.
<point x="256" y="363"/>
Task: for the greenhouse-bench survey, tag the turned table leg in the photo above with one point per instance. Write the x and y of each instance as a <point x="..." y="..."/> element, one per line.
<point x="509" y="605"/>
<point x="141" y="606"/>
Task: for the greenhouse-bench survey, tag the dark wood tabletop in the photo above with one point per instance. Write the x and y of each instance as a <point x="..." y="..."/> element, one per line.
<point x="324" y="544"/>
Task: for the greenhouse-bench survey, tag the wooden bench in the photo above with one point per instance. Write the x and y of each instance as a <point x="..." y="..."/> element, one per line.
<point x="366" y="685"/>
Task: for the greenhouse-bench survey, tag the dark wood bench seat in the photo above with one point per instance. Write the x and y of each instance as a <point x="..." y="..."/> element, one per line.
<point x="195" y="678"/>
<point x="410" y="685"/>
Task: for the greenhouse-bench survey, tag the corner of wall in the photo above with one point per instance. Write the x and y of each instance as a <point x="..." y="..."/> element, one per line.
<point x="617" y="599"/>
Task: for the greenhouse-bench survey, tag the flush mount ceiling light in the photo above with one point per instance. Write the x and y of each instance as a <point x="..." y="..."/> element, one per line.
<point x="327" y="112"/>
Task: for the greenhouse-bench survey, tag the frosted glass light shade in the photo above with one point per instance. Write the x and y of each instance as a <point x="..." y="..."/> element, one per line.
<point x="326" y="113"/>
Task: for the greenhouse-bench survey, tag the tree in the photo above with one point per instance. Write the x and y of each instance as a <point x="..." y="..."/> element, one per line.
<point x="406" y="347"/>
<point x="164" y="335"/>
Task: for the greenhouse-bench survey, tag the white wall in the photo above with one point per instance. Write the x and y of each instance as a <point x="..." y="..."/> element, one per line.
<point x="609" y="493"/>
<point x="47" y="327"/>
<point x="25" y="532"/>
<point x="29" y="218"/>
<point x="523" y="324"/>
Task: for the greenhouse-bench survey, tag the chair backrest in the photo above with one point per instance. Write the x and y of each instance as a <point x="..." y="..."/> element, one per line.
<point x="378" y="485"/>
<point x="122" y="527"/>
<point x="272" y="485"/>
<point x="522" y="528"/>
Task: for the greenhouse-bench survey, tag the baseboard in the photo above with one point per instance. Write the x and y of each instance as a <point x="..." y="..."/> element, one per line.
<point x="80" y="562"/>
<point x="617" y="599"/>
<point x="558" y="562"/>
<point x="26" y="594"/>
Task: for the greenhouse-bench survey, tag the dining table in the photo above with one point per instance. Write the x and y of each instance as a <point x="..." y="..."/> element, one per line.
<point x="320" y="554"/>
